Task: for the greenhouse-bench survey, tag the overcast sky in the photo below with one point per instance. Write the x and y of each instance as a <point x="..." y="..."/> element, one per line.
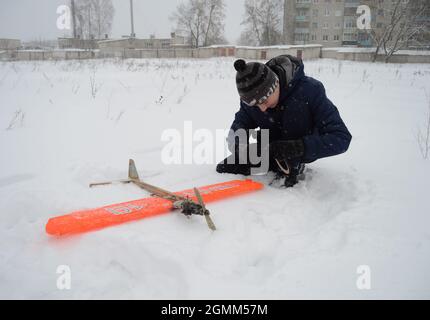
<point x="36" y="19"/>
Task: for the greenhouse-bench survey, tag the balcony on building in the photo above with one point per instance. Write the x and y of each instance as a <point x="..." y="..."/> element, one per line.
<point x="301" y="30"/>
<point x="302" y="18"/>
<point x="352" y="3"/>
<point x="364" y="39"/>
<point x="303" y="4"/>
<point x="349" y="37"/>
<point x="350" y="12"/>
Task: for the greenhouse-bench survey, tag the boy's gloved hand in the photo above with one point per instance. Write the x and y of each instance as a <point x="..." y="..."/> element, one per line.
<point x="286" y="149"/>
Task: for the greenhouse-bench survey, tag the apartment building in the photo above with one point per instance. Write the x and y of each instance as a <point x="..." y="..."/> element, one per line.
<point x="332" y="23"/>
<point x="316" y="22"/>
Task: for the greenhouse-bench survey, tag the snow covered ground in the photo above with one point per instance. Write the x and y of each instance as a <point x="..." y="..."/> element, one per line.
<point x="66" y="124"/>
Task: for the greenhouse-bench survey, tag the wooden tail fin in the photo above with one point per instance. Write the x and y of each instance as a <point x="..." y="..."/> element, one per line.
<point x="132" y="171"/>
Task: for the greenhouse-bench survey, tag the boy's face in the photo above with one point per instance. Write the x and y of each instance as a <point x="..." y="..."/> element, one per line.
<point x="271" y="102"/>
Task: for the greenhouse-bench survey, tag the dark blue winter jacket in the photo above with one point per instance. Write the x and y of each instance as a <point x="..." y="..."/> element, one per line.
<point x="303" y="112"/>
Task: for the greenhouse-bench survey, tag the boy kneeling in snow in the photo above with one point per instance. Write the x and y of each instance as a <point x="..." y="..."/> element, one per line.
<point x="303" y="124"/>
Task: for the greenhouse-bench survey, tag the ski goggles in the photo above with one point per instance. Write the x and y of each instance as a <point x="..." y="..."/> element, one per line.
<point x="264" y="98"/>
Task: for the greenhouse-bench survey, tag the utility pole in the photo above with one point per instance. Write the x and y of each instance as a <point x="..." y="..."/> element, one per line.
<point x="73" y="18"/>
<point x="133" y="35"/>
<point x="89" y="20"/>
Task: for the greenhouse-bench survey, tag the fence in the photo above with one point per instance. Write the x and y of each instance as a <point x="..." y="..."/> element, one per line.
<point x="306" y="52"/>
<point x="366" y="55"/>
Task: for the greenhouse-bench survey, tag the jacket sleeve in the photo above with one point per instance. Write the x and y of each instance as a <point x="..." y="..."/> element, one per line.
<point x="331" y="136"/>
<point x="242" y="120"/>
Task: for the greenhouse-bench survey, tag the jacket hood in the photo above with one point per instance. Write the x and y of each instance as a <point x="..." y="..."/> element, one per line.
<point x="289" y="69"/>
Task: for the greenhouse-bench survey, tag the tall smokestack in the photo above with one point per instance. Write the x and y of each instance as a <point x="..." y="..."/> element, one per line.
<point x="133" y="35"/>
<point x="74" y="18"/>
<point x="89" y="21"/>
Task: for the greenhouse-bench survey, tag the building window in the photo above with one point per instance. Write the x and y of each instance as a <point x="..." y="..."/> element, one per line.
<point x="349" y="24"/>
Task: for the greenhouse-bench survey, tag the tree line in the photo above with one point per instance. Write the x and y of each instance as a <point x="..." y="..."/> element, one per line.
<point x="404" y="24"/>
<point x="202" y="22"/>
<point x="92" y="19"/>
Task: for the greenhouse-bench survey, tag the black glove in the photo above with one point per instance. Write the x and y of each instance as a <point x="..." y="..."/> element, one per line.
<point x="286" y="149"/>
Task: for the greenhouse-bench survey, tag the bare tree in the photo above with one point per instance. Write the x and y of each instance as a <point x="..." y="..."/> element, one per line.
<point x="103" y="17"/>
<point x="215" y="22"/>
<point x="203" y="20"/>
<point x="248" y="38"/>
<point x="263" y="22"/>
<point x="252" y="33"/>
<point x="93" y="17"/>
<point x="397" y="24"/>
